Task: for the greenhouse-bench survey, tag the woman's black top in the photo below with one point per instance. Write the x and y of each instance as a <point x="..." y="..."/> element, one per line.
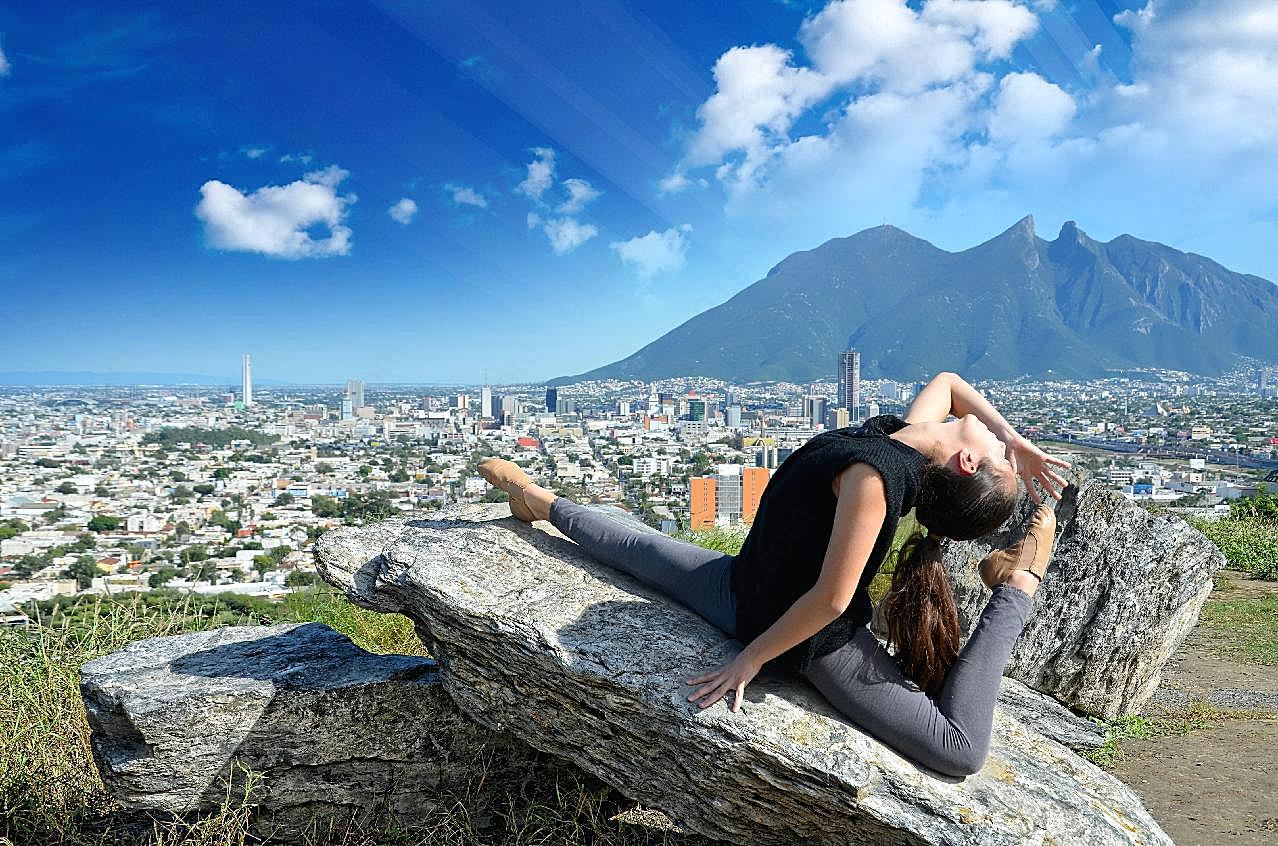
<point x="785" y="548"/>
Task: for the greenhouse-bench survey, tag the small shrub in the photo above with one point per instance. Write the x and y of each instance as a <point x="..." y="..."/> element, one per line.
<point x="1250" y="544"/>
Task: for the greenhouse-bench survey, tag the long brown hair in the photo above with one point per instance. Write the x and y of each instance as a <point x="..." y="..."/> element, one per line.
<point x="922" y="620"/>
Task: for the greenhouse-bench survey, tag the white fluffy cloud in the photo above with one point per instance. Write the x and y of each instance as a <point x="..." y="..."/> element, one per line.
<point x="277" y="220"/>
<point x="567" y="234"/>
<point x="253" y="152"/>
<point x="580" y="194"/>
<point x="1205" y="74"/>
<point x="656" y="252"/>
<point x="1028" y="108"/>
<point x="403" y="211"/>
<point x="464" y="195"/>
<point x="876" y="46"/>
<point x="541" y="174"/>
<point x="564" y="231"/>
<point x="4" y="63"/>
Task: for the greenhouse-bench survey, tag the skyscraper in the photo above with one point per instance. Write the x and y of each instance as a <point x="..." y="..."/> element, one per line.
<point x="814" y="409"/>
<point x="355" y="392"/>
<point x="486" y="401"/>
<point x="246" y="382"/>
<point x="552" y="398"/>
<point x="850" y="382"/>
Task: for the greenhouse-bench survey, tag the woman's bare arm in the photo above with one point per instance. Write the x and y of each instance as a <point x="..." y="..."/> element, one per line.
<point x="858" y="519"/>
<point x="948" y="394"/>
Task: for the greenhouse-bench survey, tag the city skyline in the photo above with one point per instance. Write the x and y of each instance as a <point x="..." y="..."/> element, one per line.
<point x="409" y="174"/>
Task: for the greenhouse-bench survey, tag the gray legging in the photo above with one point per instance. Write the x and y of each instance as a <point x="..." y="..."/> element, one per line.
<point x="951" y="734"/>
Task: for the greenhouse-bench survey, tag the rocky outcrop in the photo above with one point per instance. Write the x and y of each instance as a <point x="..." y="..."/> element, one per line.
<point x="338" y="735"/>
<point x="1123" y="589"/>
<point x="536" y="638"/>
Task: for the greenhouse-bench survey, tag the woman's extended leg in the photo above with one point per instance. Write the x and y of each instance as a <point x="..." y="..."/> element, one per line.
<point x="691" y="575"/>
<point x="950" y="734"/>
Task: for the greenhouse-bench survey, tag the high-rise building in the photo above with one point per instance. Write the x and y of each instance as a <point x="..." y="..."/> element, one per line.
<point x="1262" y="381"/>
<point x="836" y="418"/>
<point x="728" y="497"/>
<point x="753" y="481"/>
<point x="814" y="409"/>
<point x="727" y="486"/>
<point x="850" y="383"/>
<point x="696" y="409"/>
<point x="355" y="392"/>
<point x="486" y="401"/>
<point x="702" y="504"/>
<point x="552" y="399"/>
<point x="246" y="382"/>
<point x="732" y="416"/>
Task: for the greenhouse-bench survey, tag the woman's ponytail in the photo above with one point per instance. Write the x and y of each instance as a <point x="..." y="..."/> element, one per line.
<point x="922" y="620"/>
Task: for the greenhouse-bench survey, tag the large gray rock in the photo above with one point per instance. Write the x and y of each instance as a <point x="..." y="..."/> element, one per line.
<point x="340" y="735"/>
<point x="1123" y="589"/>
<point x="535" y="637"/>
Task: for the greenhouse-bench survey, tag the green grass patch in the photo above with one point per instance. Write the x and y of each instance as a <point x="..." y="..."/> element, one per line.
<point x="1244" y="630"/>
<point x="50" y="790"/>
<point x="1195" y="716"/>
<point x="1249" y="544"/>
<point x="718" y="539"/>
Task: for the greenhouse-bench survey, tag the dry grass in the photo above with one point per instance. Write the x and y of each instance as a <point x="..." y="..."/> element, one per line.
<point x="51" y="793"/>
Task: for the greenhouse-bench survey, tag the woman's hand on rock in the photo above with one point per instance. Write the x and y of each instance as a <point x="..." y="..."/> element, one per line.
<point x="734" y="676"/>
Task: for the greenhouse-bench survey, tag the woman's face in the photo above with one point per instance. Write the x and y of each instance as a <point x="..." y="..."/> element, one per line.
<point x="979" y="443"/>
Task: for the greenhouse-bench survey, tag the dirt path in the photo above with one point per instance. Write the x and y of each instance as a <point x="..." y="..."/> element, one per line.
<point x="1218" y="785"/>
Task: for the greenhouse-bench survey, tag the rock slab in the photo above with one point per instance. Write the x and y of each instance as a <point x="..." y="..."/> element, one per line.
<point x="1122" y="590"/>
<point x="537" y="638"/>
<point x="340" y="735"/>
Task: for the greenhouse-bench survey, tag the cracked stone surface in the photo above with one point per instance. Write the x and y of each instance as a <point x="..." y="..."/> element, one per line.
<point x="1122" y="590"/>
<point x="538" y="639"/>
<point x="339" y="734"/>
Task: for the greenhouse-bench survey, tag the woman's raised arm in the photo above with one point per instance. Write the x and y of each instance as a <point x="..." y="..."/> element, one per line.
<point x="948" y="394"/>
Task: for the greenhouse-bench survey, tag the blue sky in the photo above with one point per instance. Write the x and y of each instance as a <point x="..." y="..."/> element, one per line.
<point x="442" y="192"/>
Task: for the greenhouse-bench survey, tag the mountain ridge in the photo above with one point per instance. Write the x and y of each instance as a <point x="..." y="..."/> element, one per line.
<point x="1014" y="304"/>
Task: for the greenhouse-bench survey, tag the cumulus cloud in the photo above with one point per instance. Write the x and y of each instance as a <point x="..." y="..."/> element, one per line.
<point x="541" y="174"/>
<point x="558" y="221"/>
<point x="300" y="158"/>
<point x="1204" y="73"/>
<point x="466" y="196"/>
<point x="876" y="47"/>
<point x="580" y="194"/>
<point x="277" y="220"/>
<point x="403" y="211"/>
<point x="1029" y="108"/>
<point x="253" y="152"/>
<point x="656" y="252"/>
<point x="567" y="234"/>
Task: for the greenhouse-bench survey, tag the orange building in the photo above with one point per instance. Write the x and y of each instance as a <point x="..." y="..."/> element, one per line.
<point x="753" y="481"/>
<point x="702" y="509"/>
